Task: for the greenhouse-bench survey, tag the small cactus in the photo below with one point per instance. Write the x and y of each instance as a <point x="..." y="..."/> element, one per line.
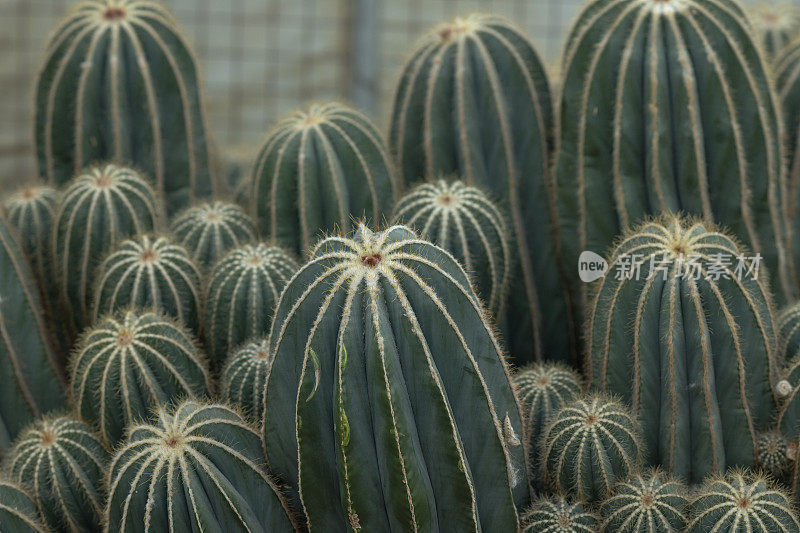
<point x="18" y="513"/>
<point x="30" y="211"/>
<point x="773" y="453"/>
<point x="646" y="503"/>
<point x="212" y="229"/>
<point x="557" y="515"/>
<point x="245" y="376"/>
<point x="776" y="23"/>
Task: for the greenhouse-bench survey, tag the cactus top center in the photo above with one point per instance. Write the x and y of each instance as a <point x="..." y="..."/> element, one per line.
<point x="124" y="338"/>
<point x="591" y="419"/>
<point x="213" y="217"/>
<point x="103" y="181"/>
<point x="743" y="503"/>
<point x="647" y="500"/>
<point x="48" y="438"/>
<point x="114" y="14"/>
<point x="564" y="522"/>
<point x="371" y="260"/>
<point x="262" y="354"/>
<point x="457" y="28"/>
<point x="148" y="256"/>
<point x="28" y="194"/>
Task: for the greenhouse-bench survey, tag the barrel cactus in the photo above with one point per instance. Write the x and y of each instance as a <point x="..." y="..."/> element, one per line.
<point x="198" y="467"/>
<point x="788" y="391"/>
<point x="388" y="398"/>
<point x="241" y="294"/>
<point x="30" y="211"/>
<point x="681" y="329"/>
<point x="788" y="325"/>
<point x="127" y="365"/>
<point x="463" y="221"/>
<point x="245" y="375"/>
<point x="319" y="170"/>
<point x="774" y="454"/>
<point x="62" y="462"/>
<point x="210" y="230"/>
<point x="18" y="511"/>
<point x="646" y="503"/>
<point x="776" y="24"/>
<point x="557" y="515"/>
<point x="152" y="273"/>
<point x="120" y="84"/>
<point x="96" y="211"/>
<point x="787" y="79"/>
<point x="474" y="101"/>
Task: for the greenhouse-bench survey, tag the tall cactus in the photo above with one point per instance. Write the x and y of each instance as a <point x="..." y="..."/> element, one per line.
<point x="212" y="229"/>
<point x="119" y="83"/>
<point x="245" y="376"/>
<point x="388" y="403"/>
<point x="319" y="170"/>
<point x="787" y="79"/>
<point x="683" y="331"/>
<point x="776" y="24"/>
<point x="667" y="106"/>
<point x="646" y="503"/>
<point x="18" y="512"/>
<point x="474" y="101"/>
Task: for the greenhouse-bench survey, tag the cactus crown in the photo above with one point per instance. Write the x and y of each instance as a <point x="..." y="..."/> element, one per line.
<point x="539" y="384"/>
<point x="557" y="515"/>
<point x="26" y="197"/>
<point x="211" y="229"/>
<point x="773" y="453"/>
<point x="648" y="502"/>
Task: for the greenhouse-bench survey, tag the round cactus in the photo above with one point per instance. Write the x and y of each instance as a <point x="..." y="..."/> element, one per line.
<point x="18" y="513"/>
<point x="773" y="453"/>
<point x="30" y="211"/>
<point x="241" y="295"/>
<point x="589" y="445"/>
<point x="129" y="364"/>
<point x="62" y="462"/>
<point x="149" y="273"/>
<point x="319" y="170"/>
<point x="646" y="503"/>
<point x="557" y="515"/>
<point x="210" y="230"/>
<point x="741" y="502"/>
<point x="463" y="221"/>
<point x="245" y="376"/>
<point x="776" y="23"/>
<point x="96" y="211"/>
<point x="198" y="467"/>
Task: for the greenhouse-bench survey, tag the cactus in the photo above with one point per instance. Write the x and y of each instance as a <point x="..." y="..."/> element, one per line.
<point x="198" y="467"/>
<point x="245" y="376"/>
<point x="150" y="273"/>
<point x="18" y="511"/>
<point x="788" y="325"/>
<point x="741" y="502"/>
<point x="319" y="169"/>
<point x="776" y="24"/>
<point x="96" y="211"/>
<point x="474" y="100"/>
<point x="119" y="84"/>
<point x="786" y="71"/>
<point x="691" y="351"/>
<point x="388" y="403"/>
<point x="241" y="295"/>
<point x="773" y="453"/>
<point x="788" y="392"/>
<point x="30" y="212"/>
<point x="557" y="515"/>
<point x="667" y="106"/>
<point x="62" y="462"/>
<point x="210" y="230"/>
<point x="463" y="221"/>
<point x="30" y="373"/>
<point x="646" y="503"/>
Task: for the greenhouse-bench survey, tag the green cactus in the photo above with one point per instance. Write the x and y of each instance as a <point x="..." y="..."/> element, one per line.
<point x="319" y="169"/>
<point x="198" y="467"/>
<point x="18" y="513"/>
<point x="62" y="462"/>
<point x="691" y="351"/>
<point x="557" y="515"/>
<point x="741" y="502"/>
<point x="241" y="294"/>
<point x="30" y="212"/>
<point x="120" y="84"/>
<point x="474" y="101"/>
<point x="31" y="376"/>
<point x="773" y="453"/>
<point x="388" y="403"/>
<point x="149" y="273"/>
<point x="96" y="211"/>
<point x="210" y="230"/>
<point x="788" y="325"/>
<point x="589" y="445"/>
<point x="463" y="221"/>
<point x="245" y="376"/>
<point x="786" y="71"/>
<point x="646" y="503"/>
<point x="776" y="24"/>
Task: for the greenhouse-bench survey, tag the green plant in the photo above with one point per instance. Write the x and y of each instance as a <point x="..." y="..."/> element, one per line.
<point x="557" y="515"/>
<point x="319" y="170"/>
<point x="120" y="84"/>
<point x="241" y="295"/>
<point x="18" y="513"/>
<point x="589" y="445"/>
<point x="773" y="453"/>
<point x="786" y="72"/>
<point x="96" y="211"/>
<point x="776" y="24"/>
<point x="685" y="336"/>
<point x="198" y="467"/>
<point x="212" y="229"/>
<point x="245" y="376"/>
<point x="62" y="462"/>
<point x="149" y="272"/>
<point x="788" y="391"/>
<point x="30" y="212"/>
<point x="646" y="503"/>
<point x="474" y="100"/>
<point x="463" y="221"/>
<point x="789" y="333"/>
<point x="388" y="403"/>
<point x="129" y="364"/>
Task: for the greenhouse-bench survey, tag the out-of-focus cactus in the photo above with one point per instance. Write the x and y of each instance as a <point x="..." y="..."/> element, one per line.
<point x="210" y="230"/>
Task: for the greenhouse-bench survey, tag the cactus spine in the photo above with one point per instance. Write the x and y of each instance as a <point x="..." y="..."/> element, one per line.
<point x="210" y="230"/>
<point x="245" y="376"/>
<point x="691" y="351"/>
<point x="120" y="84"/>
<point x="557" y="515"/>
<point x="320" y="169"/>
<point x="18" y="511"/>
<point x="646" y="503"/>
<point x="777" y="24"/>
<point x="375" y="343"/>
<point x="198" y="467"/>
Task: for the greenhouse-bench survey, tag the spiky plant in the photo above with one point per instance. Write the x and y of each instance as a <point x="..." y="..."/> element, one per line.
<point x="30" y="211"/>
<point x="776" y="24"/>
<point x="62" y="462"/>
<point x="788" y="391"/>
<point x="787" y="81"/>
<point x="788" y="325"/>
<point x="245" y="376"/>
<point x="474" y="100"/>
<point x="381" y="353"/>
<point x="320" y="169"/>
<point x="774" y="453"/>
<point x="210" y="230"/>
<point x="96" y="211"/>
<point x="741" y="502"/>
<point x="589" y="445"/>
<point x="149" y="272"/>
<point x="650" y="502"/>
<point x="129" y="364"/>
<point x="119" y="83"/>
<point x="681" y="329"/>
<point x="241" y="294"/>
<point x="18" y="512"/>
<point x="557" y="515"/>
<point x="198" y="467"/>
<point x="462" y="220"/>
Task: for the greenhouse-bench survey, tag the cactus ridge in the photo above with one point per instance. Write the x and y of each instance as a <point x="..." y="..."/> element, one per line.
<point x="646" y="503"/>
<point x="31" y="211"/>
<point x="558" y="515"/>
<point x="18" y="511"/>
<point x="245" y="376"/>
<point x="212" y="229"/>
